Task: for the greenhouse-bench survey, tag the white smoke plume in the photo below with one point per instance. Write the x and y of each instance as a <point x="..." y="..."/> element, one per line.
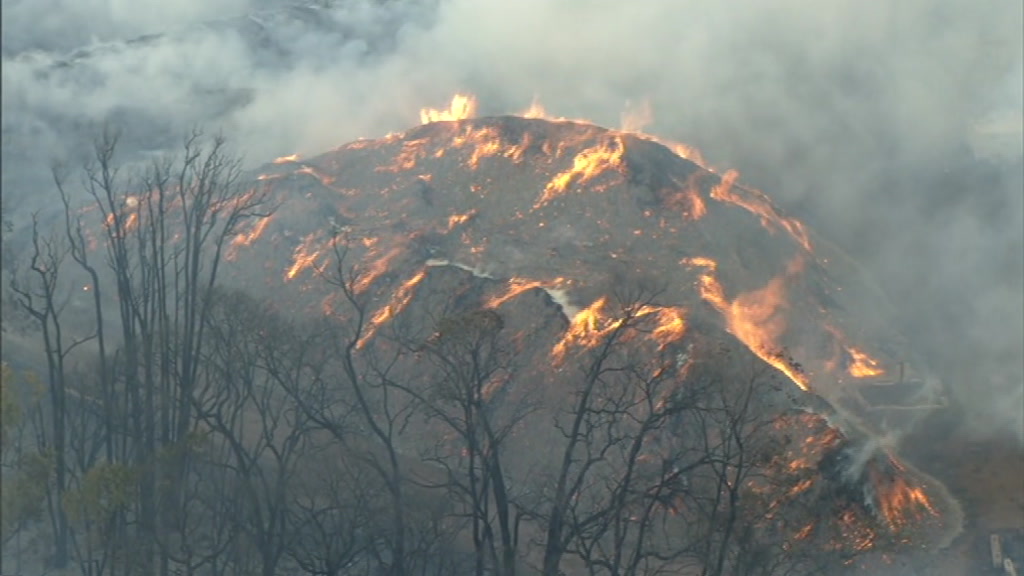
<point x="891" y="127"/>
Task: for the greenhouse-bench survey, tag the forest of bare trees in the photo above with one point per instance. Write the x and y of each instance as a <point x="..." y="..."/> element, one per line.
<point x="175" y="425"/>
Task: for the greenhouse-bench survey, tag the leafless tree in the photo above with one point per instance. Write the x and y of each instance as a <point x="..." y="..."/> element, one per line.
<point x="24" y="471"/>
<point x="618" y="475"/>
<point x="243" y="404"/>
<point x="79" y="250"/>
<point x="39" y="292"/>
<point x="732" y="427"/>
<point x="88" y="436"/>
<point x="666" y="458"/>
<point x="335" y="512"/>
<point x="358" y="404"/>
<point x="197" y="535"/>
<point x="467" y="392"/>
<point x="164" y="234"/>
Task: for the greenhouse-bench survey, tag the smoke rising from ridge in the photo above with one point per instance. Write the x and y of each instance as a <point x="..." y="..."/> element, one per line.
<point x="864" y="119"/>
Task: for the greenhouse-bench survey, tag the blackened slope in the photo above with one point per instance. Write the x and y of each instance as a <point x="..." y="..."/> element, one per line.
<point x="532" y="218"/>
<point x="585" y="208"/>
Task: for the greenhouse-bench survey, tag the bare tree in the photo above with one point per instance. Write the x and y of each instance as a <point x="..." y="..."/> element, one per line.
<point x="79" y="249"/>
<point x="198" y="534"/>
<point x="244" y="405"/>
<point x="335" y="512"/>
<point x="88" y="436"/>
<point x="618" y="476"/>
<point x="164" y="234"/>
<point x="732" y="426"/>
<point x="38" y="290"/>
<point x="363" y="409"/>
<point x="466" y="392"/>
<point x="25" y="472"/>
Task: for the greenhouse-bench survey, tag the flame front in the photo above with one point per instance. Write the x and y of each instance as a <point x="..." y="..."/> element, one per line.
<point x="462" y="107"/>
<point x="757" y="318"/>
<point x="411" y="153"/>
<point x="375" y="270"/>
<point x="324" y="179"/>
<point x="304" y="257"/>
<point x="486" y="142"/>
<point x="899" y="502"/>
<point x="687" y="198"/>
<point x="633" y="120"/>
<point x="586" y="166"/>
<point x="398" y="302"/>
<point x="586" y="330"/>
<point x="862" y="365"/>
<point x="517" y="286"/>
<point x="669" y="323"/>
<point x="536" y="110"/>
<point x="759" y="204"/>
<point x="456" y="220"/>
<point x="247" y="238"/>
<point x="590" y="326"/>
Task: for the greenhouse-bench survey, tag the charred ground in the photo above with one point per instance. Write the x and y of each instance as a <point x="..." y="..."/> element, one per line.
<point x="525" y="273"/>
<point x="567" y="213"/>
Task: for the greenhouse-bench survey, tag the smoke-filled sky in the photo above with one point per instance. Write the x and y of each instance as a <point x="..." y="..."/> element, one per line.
<point x="893" y="128"/>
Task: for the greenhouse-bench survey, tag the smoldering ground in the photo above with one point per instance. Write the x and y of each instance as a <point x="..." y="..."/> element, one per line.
<point x="892" y="128"/>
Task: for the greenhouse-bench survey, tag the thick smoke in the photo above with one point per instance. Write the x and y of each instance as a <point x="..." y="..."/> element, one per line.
<point x="891" y="127"/>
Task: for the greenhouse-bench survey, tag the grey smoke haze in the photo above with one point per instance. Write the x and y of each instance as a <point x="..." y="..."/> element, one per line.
<point x="891" y="127"/>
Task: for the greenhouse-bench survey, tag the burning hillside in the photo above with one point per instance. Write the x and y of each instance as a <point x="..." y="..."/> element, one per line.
<point x="543" y="224"/>
<point x="572" y="207"/>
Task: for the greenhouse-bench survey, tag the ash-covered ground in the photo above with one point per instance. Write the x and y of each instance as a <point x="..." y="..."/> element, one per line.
<point x="546" y="221"/>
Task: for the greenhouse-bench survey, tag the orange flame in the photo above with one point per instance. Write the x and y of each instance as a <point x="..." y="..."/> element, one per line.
<point x="459" y="219"/>
<point x="687" y="198"/>
<point x="286" y="159"/>
<point x="128" y="222"/>
<point x="305" y="256"/>
<point x="701" y="262"/>
<point x="536" y="110"/>
<point x="517" y="286"/>
<point x="757" y="318"/>
<point x="588" y="164"/>
<point x="804" y="532"/>
<point x="412" y="152"/>
<point x="898" y="500"/>
<point x="800" y="487"/>
<point x="486" y="142"/>
<point x="684" y="151"/>
<point x="586" y="330"/>
<point x="398" y="303"/>
<point x="462" y="106"/>
<point x="323" y="178"/>
<point x="246" y="239"/>
<point x="633" y="120"/>
<point x="589" y="326"/>
<point x="863" y="366"/>
<point x="670" y="323"/>
<point x="758" y="204"/>
<point x="697" y="207"/>
<point x="375" y="270"/>
<point x="857" y="534"/>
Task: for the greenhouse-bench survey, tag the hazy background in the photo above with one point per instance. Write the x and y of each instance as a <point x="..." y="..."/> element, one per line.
<point x="893" y="128"/>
